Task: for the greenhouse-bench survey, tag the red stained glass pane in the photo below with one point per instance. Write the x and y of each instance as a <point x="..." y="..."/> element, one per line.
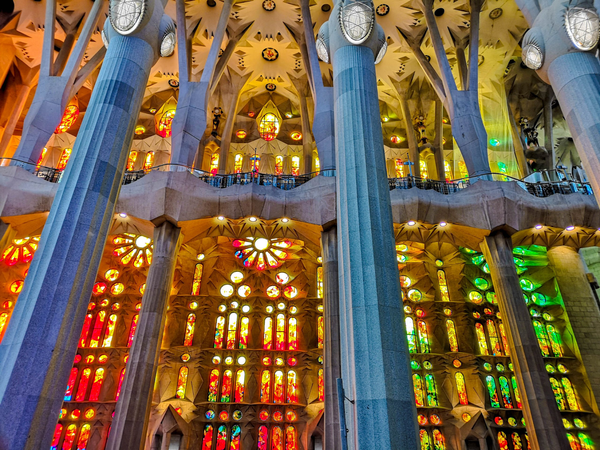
<point x="97" y="331"/>
<point x="263" y="437"/>
<point x="278" y="390"/>
<point x="134" y="323"/>
<point x="231" y="331"/>
<point x="226" y="389"/>
<point x="277" y="439"/>
<point x="291" y="440"/>
<point x="213" y="385"/>
<point x="219" y="332"/>
<point x="83" y="383"/>
<point x="84" y="436"/>
<point x="321" y="331"/>
<point x="292" y="334"/>
<point x="56" y="438"/>
<point x="268" y="334"/>
<point x="110" y="330"/>
<point x="71" y="384"/>
<point x="244" y="330"/>
<point x="265" y="386"/>
<point x="189" y="329"/>
<point x="222" y="438"/>
<point x="197" y="280"/>
<point x="97" y="384"/>
<point x="121" y="378"/>
<point x="280" y="333"/>
<point x="182" y="382"/>
<point x="321" y="386"/>
<point x="84" y="331"/>
<point x="292" y="387"/>
<point x="69" y="437"/>
<point x="208" y="437"/>
<point x="240" y="383"/>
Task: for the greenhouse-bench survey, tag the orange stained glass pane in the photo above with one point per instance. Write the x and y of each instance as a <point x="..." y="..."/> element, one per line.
<point x="280" y="333"/>
<point x="237" y="165"/>
<point x="41" y="158"/>
<point x="278" y="165"/>
<point x="71" y="384"/>
<point x="439" y="441"/>
<point x="97" y="331"/>
<point x="292" y="334"/>
<point x="232" y="331"/>
<point x="493" y="335"/>
<point x="461" y="387"/>
<point x="121" y="378"/>
<point x="110" y="330"/>
<point x="292" y="387"/>
<point x="263" y="437"/>
<point x="320" y="282"/>
<point x="291" y="439"/>
<point x="570" y="394"/>
<point x="83" y="384"/>
<point x="295" y="166"/>
<point x="504" y="339"/>
<point x="56" y="438"/>
<point x="213" y="385"/>
<point x="502" y="442"/>
<point x="197" y="280"/>
<point x="320" y="331"/>
<point x="189" y="329"/>
<point x="97" y="385"/>
<point x="452" y="338"/>
<point x="3" y="322"/>
<point x="480" y="332"/>
<point x="443" y="286"/>
<point x="16" y="287"/>
<point x="148" y="161"/>
<point x="277" y="438"/>
<point x="64" y="159"/>
<point x="219" y="332"/>
<point x="226" y="389"/>
<point x="182" y="382"/>
<point x="244" y="330"/>
<point x="424" y="439"/>
<point x="240" y="384"/>
<point x="134" y="322"/>
<point x="321" y="386"/>
<point x="265" y="386"/>
<point x="214" y="163"/>
<point x="268" y="334"/>
<point x="418" y="388"/>
<point x="208" y="437"/>
<point x="278" y="389"/>
<point x="131" y="159"/>
<point x="84" y="436"/>
<point x="69" y="437"/>
<point x="399" y="168"/>
<point x="222" y="437"/>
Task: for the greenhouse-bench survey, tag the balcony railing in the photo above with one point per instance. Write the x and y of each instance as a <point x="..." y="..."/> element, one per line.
<point x="288" y="182"/>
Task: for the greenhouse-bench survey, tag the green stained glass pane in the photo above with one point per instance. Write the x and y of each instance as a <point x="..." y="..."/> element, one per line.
<point x="468" y="250"/>
<point x="521" y="270"/>
<point x="526" y="298"/>
<point x="490" y="382"/>
<point x="540" y="332"/>
<point x="481" y="283"/>
<point x="477" y="260"/>
<point x="500" y="367"/>
<point x="432" y="398"/>
<point x="427" y="365"/>
<point x="526" y="284"/>
<point x="491" y="297"/>
<point x="439" y="262"/>
<point x="486" y="268"/>
<point x="555" y="340"/>
<point x="415" y="364"/>
<point x="579" y="423"/>
<point x="487" y="366"/>
<point x="411" y="334"/>
<point x="550" y="368"/>
<point x="505" y="391"/>
<point x="512" y="421"/>
<point x="558" y="394"/>
<point x="519" y="261"/>
<point x="586" y="442"/>
<point x="415" y="295"/>
<point x="539" y="299"/>
<point x="534" y="312"/>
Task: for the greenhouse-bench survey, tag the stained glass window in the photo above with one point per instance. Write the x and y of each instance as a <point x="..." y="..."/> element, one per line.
<point x="443" y="285"/>
<point x="516" y="392"/>
<point x="64" y="159"/>
<point x="585" y="441"/>
<point x="280" y="333"/>
<point x="502" y="441"/>
<point x="84" y="436"/>
<point x="291" y="439"/>
<point x="131" y="159"/>
<point x="268" y="334"/>
<point x="295" y="166"/>
<point x="83" y="384"/>
<point x="320" y="282"/>
<point x="134" y="322"/>
<point x="320" y="331"/>
<point x="461" y="388"/>
<point x="189" y="329"/>
<point x="268" y="127"/>
<point x="504" y="339"/>
<point x="231" y="331"/>
<point x="321" y="386"/>
<point x="432" y="397"/>
<point x="555" y="340"/>
<point x="97" y="385"/>
<point x="237" y="164"/>
<point x="425" y="440"/>
<point x="71" y="384"/>
<point x="219" y="332"/>
<point x="490" y="382"/>
<point x="56" y="438"/>
<point x="494" y="340"/>
<point x="110" y="331"/>
<point x="399" y="168"/>
<point x="69" y="437"/>
<point x="573" y="441"/>
<point x="423" y="336"/>
<point x="559" y="395"/>
<point x="226" y="389"/>
<point x="481" y="341"/>
<point x="244" y="330"/>
<point x="292" y="387"/>
<point x="97" y="330"/>
<point x="542" y="338"/>
<point x="517" y="443"/>
<point x="265" y="386"/>
<point x="213" y="385"/>
<point x="197" y="279"/>
<point x="423" y="167"/>
<point x="41" y="158"/>
<point x="411" y="334"/>
<point x="214" y="163"/>
<point x="182" y="382"/>
<point x="278" y="165"/>
<point x="278" y="390"/>
<point x="292" y="334"/>
<point x="418" y="387"/>
<point x="121" y="378"/>
<point x="570" y="394"/>
<point x="505" y="391"/>
<point x="240" y="385"/>
<point x="84" y="332"/>
<point x="439" y="442"/>
<point x="148" y="161"/>
<point x="277" y="439"/>
<point x="452" y="338"/>
<point x="208" y="437"/>
<point x="222" y="437"/>
<point x="263" y="437"/>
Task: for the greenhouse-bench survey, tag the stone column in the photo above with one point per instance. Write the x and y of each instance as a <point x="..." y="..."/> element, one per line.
<point x="582" y="310"/>
<point x="544" y="422"/>
<point x="130" y="424"/>
<point x="374" y="352"/>
<point x="332" y="368"/>
<point x="36" y="354"/>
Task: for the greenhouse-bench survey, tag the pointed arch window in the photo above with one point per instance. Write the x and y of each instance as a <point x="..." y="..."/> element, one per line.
<point x="452" y="336"/>
<point x="263" y="437"/>
<point x="542" y="338"/>
<point x="278" y="388"/>
<point x="84" y="331"/>
<point x="222" y="437"/>
<point x="134" y="322"/>
<point x="197" y="279"/>
<point x="214" y="163"/>
<point x="277" y="438"/>
<point x="461" y="387"/>
<point x="232" y="330"/>
<point x="423" y="336"/>
<point x="559" y="395"/>
<point x="97" y="384"/>
<point x="57" y="433"/>
<point x="219" y="332"/>
<point x="443" y="283"/>
<point x="226" y="389"/>
<point x="64" y="159"/>
<point x="490" y="383"/>
<point x="189" y="329"/>
<point x="321" y="386"/>
<point x="494" y="340"/>
<point x="320" y="331"/>
<point x="513" y="380"/>
<point x="110" y="331"/>
<point x="240" y="386"/>
<point x="236" y="434"/>
<point x="505" y="391"/>
<point x="504" y="338"/>
<point x="84" y="436"/>
<point x="555" y="340"/>
<point x="319" y="282"/>
<point x="83" y="384"/>
<point x="148" y="161"/>
<point x="419" y="391"/>
<point x="182" y="382"/>
<point x="71" y="384"/>
<point x="208" y="437"/>
<point x="291" y="438"/>
<point x="213" y="385"/>
<point x="295" y="166"/>
<point x="399" y="168"/>
<point x="278" y="165"/>
<point x="265" y="386"/>
<point x="280" y="332"/>
<point x="292" y="387"/>
<point x="69" y="437"/>
<point x="516" y="440"/>
<point x="425" y="440"/>
<point x="439" y="442"/>
<point x="268" y="334"/>
<point x="97" y="330"/>
<point x="237" y="163"/>
<point x="411" y="334"/>
<point x="432" y="396"/>
<point x="131" y="159"/>
<point x="481" y="341"/>
<point x="570" y="394"/>
<point x="502" y="441"/>
<point x="292" y="334"/>
<point x="244" y="330"/>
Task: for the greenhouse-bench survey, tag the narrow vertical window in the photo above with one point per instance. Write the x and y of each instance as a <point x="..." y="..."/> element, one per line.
<point x="504" y="339"/>
<point x="490" y="382"/>
<point x="494" y="340"/>
<point x="573" y="442"/>
<point x="292" y="334"/>
<point x="502" y="442"/>
<point x="516" y="440"/>
<point x="226" y="389"/>
<point x="97" y="384"/>
<point x="292" y="387"/>
<point x="182" y="382"/>
<point x="585" y="441"/>
<point x="97" y="331"/>
<point x="71" y="384"/>
<point x="461" y="387"/>
<point x="411" y="334"/>
<point x="69" y="437"/>
<point x="64" y="159"/>
<point x="432" y="397"/>
<point x="439" y="442"/>
<point x="320" y="331"/>
<point x="425" y="440"/>
<point x="570" y="394"/>
<point x="208" y="437"/>
<point x="197" y="280"/>
<point x="83" y="384"/>
<point x="237" y="164"/>
<point x="319" y="282"/>
<point x="214" y="163"/>
<point x="399" y="168"/>
<point x="131" y="159"/>
<point x="110" y="331"/>
<point x="559" y="395"/>
<point x="132" y="328"/>
<point x="555" y="341"/>
<point x="280" y="332"/>
<point x="84" y="331"/>
<point x="219" y="332"/>
<point x="265" y="386"/>
<point x="189" y="329"/>
<point x="244" y="330"/>
<point x="222" y="437"/>
<point x="232" y="330"/>
<point x="321" y="386"/>
<point x="291" y="439"/>
<point x="263" y="437"/>
<point x="278" y="165"/>
<point x="505" y="391"/>
<point x="443" y="285"/>
<point x="268" y="334"/>
<point x="418" y="388"/>
<point x="516" y="391"/>
<point x="423" y="336"/>
<point x="278" y="390"/>
<point x="277" y="438"/>
<point x="423" y="167"/>
<point x="452" y="338"/>
<point x="120" y="385"/>
<point x="148" y="161"/>
<point x="84" y="436"/>
<point x="295" y="166"/>
<point x="542" y="338"/>
<point x="213" y="385"/>
<point x="56" y="438"/>
<point x="236" y="434"/>
<point x="480" y="332"/>
<point x="240" y="386"/>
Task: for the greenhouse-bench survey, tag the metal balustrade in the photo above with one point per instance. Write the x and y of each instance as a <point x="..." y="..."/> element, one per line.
<point x="288" y="182"/>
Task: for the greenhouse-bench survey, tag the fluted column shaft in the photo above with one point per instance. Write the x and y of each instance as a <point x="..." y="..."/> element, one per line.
<point x="130" y="424"/>
<point x="544" y="422"/>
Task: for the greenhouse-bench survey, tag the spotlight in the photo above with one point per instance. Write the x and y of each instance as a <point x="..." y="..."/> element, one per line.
<point x="221" y="218"/>
<point x="285" y="220"/>
<point x="539" y="227"/>
<point x="412" y="222"/>
<point x="570" y="228"/>
<point x="443" y="224"/>
<point x="253" y="219"/>
<point x="123" y="215"/>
